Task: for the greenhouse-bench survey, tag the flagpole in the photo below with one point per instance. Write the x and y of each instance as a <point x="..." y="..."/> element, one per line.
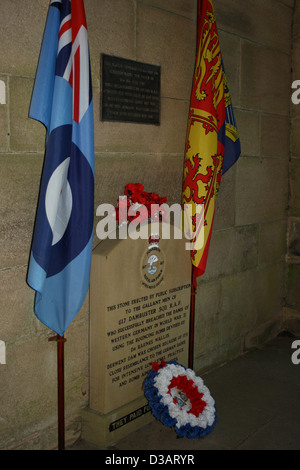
<point x="192" y="322"/>
<point x="60" y="390"/>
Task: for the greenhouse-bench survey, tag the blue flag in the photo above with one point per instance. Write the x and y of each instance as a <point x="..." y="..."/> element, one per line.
<point x="60" y="260"/>
<point x="231" y="140"/>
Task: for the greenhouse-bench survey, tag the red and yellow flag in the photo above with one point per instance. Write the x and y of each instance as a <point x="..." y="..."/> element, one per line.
<point x="212" y="143"/>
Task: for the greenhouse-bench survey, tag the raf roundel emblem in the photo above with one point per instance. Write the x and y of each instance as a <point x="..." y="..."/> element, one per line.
<point x="65" y="221"/>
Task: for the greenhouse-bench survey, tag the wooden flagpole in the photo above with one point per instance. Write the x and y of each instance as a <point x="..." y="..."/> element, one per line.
<point x="192" y="323"/>
<point x="60" y="390"/>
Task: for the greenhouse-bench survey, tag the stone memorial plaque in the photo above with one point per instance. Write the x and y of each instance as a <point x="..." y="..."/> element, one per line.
<point x="139" y="313"/>
<point x="130" y="91"/>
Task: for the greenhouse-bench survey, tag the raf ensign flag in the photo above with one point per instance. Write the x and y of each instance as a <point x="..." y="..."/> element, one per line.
<point x="212" y="144"/>
<point x="59" y="267"/>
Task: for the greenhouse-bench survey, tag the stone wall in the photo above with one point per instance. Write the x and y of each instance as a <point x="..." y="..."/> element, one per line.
<point x="240" y="298"/>
<point x="291" y="318"/>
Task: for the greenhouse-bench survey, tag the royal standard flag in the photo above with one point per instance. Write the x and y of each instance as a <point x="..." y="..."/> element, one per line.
<point x="212" y="144"/>
<point x="59" y="267"/>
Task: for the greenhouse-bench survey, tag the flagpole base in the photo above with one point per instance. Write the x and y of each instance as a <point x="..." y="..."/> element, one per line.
<point x="60" y="389"/>
<point x="192" y="326"/>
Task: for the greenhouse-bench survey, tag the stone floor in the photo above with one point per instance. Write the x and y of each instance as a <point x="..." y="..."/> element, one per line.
<point x="258" y="405"/>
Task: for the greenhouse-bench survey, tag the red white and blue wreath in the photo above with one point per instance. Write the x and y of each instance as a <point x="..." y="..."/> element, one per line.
<point x="179" y="399"/>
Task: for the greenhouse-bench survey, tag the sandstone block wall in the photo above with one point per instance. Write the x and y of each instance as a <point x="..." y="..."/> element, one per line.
<point x="241" y="297"/>
<point x="292" y="305"/>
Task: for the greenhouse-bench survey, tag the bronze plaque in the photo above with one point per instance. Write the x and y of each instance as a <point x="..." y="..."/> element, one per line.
<point x="130" y="91"/>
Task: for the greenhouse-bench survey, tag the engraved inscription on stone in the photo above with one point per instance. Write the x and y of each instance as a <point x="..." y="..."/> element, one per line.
<point x="130" y="91"/>
<point x="139" y="313"/>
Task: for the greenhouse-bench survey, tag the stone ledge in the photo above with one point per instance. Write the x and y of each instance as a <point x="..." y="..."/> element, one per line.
<point x="105" y="430"/>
